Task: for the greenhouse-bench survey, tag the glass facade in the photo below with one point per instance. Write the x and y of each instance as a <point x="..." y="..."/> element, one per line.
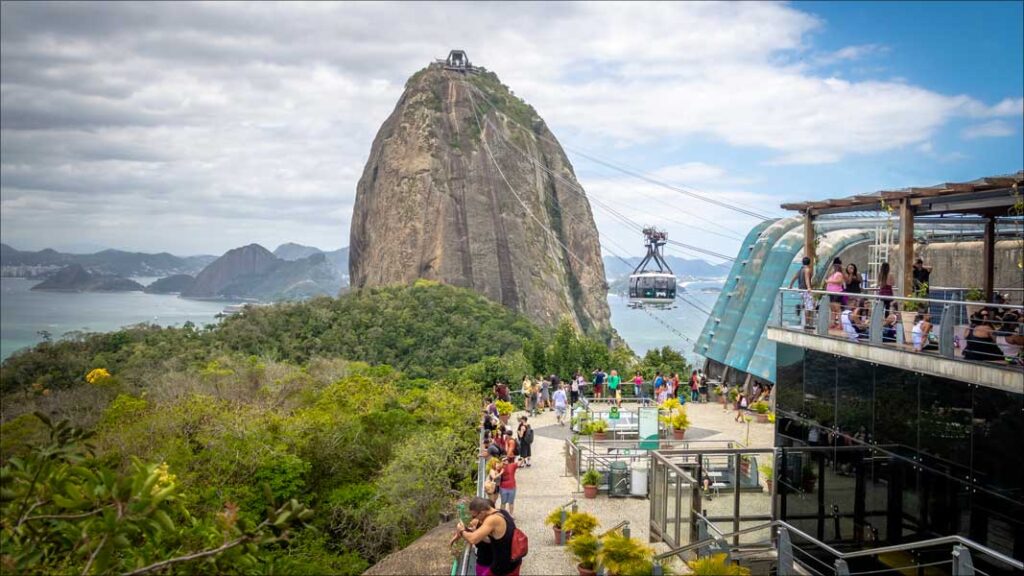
<point x="871" y="455"/>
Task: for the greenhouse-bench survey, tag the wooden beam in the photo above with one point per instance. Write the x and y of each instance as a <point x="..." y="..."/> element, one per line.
<point x="988" y="243"/>
<point x="798" y="206"/>
<point x="907" y="247"/>
<point x="809" y="250"/>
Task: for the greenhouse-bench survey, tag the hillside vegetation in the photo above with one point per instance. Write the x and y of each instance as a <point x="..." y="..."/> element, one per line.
<point x="308" y="438"/>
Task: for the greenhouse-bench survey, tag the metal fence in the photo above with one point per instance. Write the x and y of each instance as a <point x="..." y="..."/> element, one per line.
<point x="962" y="330"/>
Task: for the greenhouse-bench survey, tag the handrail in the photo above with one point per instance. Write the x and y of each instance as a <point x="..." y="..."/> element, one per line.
<point x="462" y="567"/>
<point x="954" y="539"/>
<point x="706" y="541"/>
<point x="910" y="299"/>
<point x="613" y="528"/>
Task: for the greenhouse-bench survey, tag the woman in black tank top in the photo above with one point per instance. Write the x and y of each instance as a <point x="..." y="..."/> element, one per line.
<point x="501" y="562"/>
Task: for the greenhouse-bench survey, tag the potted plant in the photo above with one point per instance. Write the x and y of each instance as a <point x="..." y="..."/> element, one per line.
<point x="591" y="478"/>
<point x="766" y="472"/>
<point x="761" y="409"/>
<point x="585" y="548"/>
<point x="580" y="523"/>
<point x="505" y="410"/>
<point x="716" y="565"/>
<point x="599" y="428"/>
<point x="678" y="421"/>
<point x="734" y="396"/>
<point x="621" y="555"/>
<point x="554" y="520"/>
<point x="974" y="295"/>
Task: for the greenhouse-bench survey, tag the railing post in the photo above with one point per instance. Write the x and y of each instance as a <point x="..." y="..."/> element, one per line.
<point x="561" y="533"/>
<point x="841" y="568"/>
<point x="963" y="564"/>
<point x="656" y="569"/>
<point x="877" y="317"/>
<point x="946" y="332"/>
<point x="625" y="529"/>
<point x="824" y="316"/>
<point x="785" y="554"/>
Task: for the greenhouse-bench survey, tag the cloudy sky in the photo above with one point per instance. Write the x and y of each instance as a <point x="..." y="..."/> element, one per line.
<point x="195" y="128"/>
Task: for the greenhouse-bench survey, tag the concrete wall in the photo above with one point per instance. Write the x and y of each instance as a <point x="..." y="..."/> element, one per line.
<point x="955" y="264"/>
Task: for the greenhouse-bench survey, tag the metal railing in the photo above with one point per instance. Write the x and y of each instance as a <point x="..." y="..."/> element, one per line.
<point x="985" y="333"/>
<point x="462" y="565"/>
<point x="960" y="555"/>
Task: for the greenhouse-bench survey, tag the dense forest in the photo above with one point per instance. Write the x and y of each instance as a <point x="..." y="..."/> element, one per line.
<point x="303" y="438"/>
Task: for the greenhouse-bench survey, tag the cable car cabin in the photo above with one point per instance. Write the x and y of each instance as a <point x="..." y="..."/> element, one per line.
<point x="652" y="283"/>
<point x="652" y="288"/>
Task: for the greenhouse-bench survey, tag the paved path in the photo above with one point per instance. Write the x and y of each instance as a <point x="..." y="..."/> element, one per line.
<point x="543" y="487"/>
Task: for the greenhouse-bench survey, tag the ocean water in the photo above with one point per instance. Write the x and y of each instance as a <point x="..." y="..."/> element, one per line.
<point x="24" y="313"/>
<point x="643" y="332"/>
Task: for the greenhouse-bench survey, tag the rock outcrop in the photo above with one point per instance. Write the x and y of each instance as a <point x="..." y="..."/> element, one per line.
<point x="247" y="261"/>
<point x="491" y="205"/>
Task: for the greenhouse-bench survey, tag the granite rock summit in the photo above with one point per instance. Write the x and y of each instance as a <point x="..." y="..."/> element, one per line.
<point x="466" y="185"/>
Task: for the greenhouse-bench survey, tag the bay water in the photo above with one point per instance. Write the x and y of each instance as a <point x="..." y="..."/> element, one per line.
<point x="24" y="314"/>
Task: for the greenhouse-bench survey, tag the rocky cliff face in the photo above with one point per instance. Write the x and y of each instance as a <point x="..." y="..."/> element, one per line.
<point x="433" y="204"/>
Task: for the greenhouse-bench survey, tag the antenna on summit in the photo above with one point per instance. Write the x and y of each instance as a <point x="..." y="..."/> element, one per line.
<point x="457" y="61"/>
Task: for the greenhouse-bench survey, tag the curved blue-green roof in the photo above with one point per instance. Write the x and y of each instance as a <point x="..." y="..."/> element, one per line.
<point x="734" y="334"/>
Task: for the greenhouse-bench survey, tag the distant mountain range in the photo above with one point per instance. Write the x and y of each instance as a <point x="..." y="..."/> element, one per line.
<point x="291" y="272"/>
<point x="108" y="262"/>
<point x="681" y="267"/>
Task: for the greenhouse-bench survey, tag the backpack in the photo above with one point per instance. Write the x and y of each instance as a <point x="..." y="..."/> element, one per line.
<point x="529" y="435"/>
<point x="520" y="541"/>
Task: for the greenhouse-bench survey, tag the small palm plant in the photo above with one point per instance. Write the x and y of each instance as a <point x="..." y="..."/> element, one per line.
<point x="716" y="565"/>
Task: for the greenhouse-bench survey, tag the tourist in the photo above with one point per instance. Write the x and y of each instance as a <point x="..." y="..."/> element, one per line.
<point x="885" y="282"/>
<point x="599" y="377"/>
<point x="535" y="397"/>
<point x="694" y="386"/>
<point x="560" y="403"/>
<point x="501" y="392"/>
<point x="527" y="390"/>
<point x="673" y="388"/>
<point x="703" y="385"/>
<point x="507" y="487"/>
<point x="741" y="406"/>
<point x="614" y="393"/>
<point x="484" y="549"/>
<point x="891" y="323"/>
<point x="511" y="450"/>
<point x="848" y="323"/>
<point x="574" y="389"/>
<point x="496" y="447"/>
<point x="638" y="384"/>
<point x="494" y="526"/>
<point x="921" y="274"/>
<point x="803" y="278"/>
<point x="922" y="331"/>
<point x="834" y="284"/>
<point x="493" y="479"/>
<point x="981" y="341"/>
<point x="525" y="434"/>
<point x="546" y="385"/>
<point x="851" y="285"/>
<point x="659" y="387"/>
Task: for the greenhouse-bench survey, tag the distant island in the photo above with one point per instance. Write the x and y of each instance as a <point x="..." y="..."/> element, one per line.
<point x="75" y="278"/>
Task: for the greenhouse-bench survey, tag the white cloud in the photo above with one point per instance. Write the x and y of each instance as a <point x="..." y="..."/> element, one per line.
<point x="253" y="122"/>
<point x="993" y="129"/>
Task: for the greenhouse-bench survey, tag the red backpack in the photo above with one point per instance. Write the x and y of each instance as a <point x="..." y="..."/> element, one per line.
<point x="520" y="541"/>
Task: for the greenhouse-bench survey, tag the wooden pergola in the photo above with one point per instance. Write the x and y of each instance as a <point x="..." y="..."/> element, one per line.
<point x="989" y="198"/>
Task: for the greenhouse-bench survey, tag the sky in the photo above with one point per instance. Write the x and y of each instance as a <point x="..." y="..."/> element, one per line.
<point x="196" y="128"/>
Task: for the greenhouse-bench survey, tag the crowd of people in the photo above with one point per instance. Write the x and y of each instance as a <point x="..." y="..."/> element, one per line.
<point x="851" y="312"/>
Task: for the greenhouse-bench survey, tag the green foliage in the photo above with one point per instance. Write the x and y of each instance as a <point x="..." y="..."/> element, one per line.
<point x="716" y="565"/>
<point x="676" y="418"/>
<point x="664" y="360"/>
<point x="504" y="408"/>
<point x="122" y="410"/>
<point x="766" y="471"/>
<point x="761" y="407"/>
<point x="975" y="295"/>
<point x="584" y="547"/>
<point x="580" y="523"/>
<point x="63" y="511"/>
<point x="554" y="518"/>
<point x="591" y="478"/>
<point x="917" y="305"/>
<point x="625" y="556"/>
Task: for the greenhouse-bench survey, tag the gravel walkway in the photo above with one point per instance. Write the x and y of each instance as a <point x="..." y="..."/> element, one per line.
<point x="543" y="486"/>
